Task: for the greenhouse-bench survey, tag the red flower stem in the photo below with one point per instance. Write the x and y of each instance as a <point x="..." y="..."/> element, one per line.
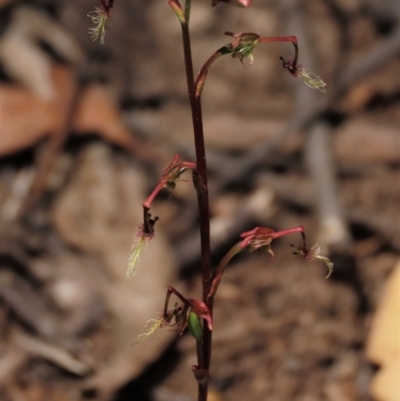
<point x="188" y="165"/>
<point x="167" y="297"/>
<point x="296" y="55"/>
<point x="201" y="77"/>
<point x="174" y="165"/>
<point x="204" y="352"/>
<point x="292" y="39"/>
<point x="147" y="203"/>
<point x="298" y="229"/>
<point x="266" y="39"/>
<point x="172" y="290"/>
<point x="219" y="272"/>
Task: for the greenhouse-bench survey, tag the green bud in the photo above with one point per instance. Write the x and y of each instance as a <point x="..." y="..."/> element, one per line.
<point x="194" y="326"/>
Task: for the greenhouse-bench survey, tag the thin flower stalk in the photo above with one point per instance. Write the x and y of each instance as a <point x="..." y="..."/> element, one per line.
<point x="241" y="47"/>
<point x="261" y="238"/>
<point x="169" y="178"/>
<point x="200" y="181"/>
<point x="202" y="76"/>
<point x="219" y="272"/>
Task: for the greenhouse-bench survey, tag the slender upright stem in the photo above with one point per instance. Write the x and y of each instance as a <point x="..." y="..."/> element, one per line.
<point x="204" y="351"/>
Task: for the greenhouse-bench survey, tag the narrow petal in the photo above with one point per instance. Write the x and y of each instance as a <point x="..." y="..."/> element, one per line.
<point x="312" y="80"/>
<point x="151" y="326"/>
<point x="138" y="247"/>
<point x="99" y="18"/>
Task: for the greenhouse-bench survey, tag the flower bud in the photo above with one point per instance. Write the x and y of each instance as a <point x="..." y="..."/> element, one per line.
<point x="243" y="45"/>
<point x="194" y="326"/>
<point x="236" y="3"/>
<point x="202" y="310"/>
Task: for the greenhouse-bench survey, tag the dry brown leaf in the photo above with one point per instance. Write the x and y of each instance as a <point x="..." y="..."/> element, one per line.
<point x="98" y="113"/>
<point x="25" y="118"/>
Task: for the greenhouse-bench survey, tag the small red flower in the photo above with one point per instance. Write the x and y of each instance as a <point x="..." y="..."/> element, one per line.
<point x="312" y="254"/>
<point x="243" y="44"/>
<point x="309" y="78"/>
<point x="236" y="3"/>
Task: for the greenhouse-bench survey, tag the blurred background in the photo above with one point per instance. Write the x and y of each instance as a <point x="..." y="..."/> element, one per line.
<point x="85" y="133"/>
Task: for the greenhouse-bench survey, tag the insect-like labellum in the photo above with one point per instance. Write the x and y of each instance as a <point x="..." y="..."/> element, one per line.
<point x="309" y="78"/>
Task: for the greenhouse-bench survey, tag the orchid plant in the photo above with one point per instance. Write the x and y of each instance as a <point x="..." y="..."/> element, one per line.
<point x="197" y="314"/>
